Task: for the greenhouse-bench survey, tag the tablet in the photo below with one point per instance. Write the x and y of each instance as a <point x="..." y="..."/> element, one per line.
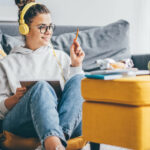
<point x="55" y="84"/>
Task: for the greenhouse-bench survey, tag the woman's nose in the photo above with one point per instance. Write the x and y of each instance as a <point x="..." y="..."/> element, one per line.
<point x="48" y="31"/>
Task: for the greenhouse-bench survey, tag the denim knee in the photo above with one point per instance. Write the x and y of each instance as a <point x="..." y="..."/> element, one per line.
<point x="75" y="79"/>
<point x="42" y="86"/>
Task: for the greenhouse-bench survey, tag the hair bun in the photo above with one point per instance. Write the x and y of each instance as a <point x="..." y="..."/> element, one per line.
<point x="22" y="3"/>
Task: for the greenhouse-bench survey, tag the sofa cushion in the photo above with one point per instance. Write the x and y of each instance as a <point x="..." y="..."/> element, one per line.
<point x="2" y="52"/>
<point x="0" y="36"/>
<point x="98" y="43"/>
<point x="9" y="42"/>
<point x="129" y="90"/>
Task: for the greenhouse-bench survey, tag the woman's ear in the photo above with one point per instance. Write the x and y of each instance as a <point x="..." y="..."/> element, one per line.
<point x="28" y="34"/>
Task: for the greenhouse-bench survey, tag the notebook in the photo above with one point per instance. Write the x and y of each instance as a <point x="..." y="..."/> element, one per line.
<point x="115" y="74"/>
<point x="104" y="77"/>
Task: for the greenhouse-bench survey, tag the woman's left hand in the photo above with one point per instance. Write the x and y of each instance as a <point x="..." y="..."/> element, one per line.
<point x="76" y="54"/>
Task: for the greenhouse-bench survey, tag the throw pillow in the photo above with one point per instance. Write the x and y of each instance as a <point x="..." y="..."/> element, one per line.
<point x="0" y="36"/>
<point x="110" y="41"/>
<point x="2" y="53"/>
<point x="9" y="42"/>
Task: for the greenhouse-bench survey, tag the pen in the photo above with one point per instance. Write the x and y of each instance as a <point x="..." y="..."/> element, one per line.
<point x="77" y="33"/>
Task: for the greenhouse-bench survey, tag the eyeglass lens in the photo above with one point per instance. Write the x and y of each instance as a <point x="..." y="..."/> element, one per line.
<point x="44" y="28"/>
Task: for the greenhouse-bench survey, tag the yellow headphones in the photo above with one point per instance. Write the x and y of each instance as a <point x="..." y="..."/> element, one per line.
<point x="23" y="27"/>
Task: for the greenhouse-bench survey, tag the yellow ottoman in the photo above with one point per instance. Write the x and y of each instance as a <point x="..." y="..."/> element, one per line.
<point x="117" y="112"/>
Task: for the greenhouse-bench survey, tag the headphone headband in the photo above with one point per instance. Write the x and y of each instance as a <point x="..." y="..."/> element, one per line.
<point x="24" y="10"/>
<point x="23" y="27"/>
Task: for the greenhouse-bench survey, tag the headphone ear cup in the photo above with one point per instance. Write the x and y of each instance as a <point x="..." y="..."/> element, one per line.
<point x="23" y="29"/>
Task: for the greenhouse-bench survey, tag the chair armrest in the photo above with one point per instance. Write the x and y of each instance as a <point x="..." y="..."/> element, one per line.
<point x="141" y="61"/>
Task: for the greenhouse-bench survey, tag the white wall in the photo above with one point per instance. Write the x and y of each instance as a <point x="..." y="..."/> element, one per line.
<point x="97" y="12"/>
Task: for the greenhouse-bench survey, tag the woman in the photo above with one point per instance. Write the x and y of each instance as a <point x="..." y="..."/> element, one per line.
<point x="37" y="112"/>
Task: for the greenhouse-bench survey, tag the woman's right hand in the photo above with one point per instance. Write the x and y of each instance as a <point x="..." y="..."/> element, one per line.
<point x="11" y="101"/>
<point x="20" y="92"/>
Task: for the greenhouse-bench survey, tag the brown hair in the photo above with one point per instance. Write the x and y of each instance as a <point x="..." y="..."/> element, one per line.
<point x="32" y="12"/>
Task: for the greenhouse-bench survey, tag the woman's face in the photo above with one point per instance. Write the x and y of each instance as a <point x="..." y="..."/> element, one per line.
<point x="40" y="31"/>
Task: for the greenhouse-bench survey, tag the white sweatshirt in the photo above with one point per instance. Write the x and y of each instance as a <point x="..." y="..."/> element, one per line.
<point x="23" y="64"/>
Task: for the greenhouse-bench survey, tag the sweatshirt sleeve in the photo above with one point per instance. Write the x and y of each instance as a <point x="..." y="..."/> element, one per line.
<point x="70" y="71"/>
<point x="75" y="70"/>
<point x="4" y="92"/>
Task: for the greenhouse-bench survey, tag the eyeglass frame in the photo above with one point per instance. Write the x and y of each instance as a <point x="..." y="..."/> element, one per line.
<point x="51" y="27"/>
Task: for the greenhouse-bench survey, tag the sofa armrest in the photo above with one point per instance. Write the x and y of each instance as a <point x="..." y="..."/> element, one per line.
<point x="141" y="61"/>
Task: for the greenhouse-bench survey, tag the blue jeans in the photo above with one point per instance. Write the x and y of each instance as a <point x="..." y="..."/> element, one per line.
<point x="40" y="114"/>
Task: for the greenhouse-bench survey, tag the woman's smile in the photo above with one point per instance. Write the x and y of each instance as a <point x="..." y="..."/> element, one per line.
<point x="47" y="38"/>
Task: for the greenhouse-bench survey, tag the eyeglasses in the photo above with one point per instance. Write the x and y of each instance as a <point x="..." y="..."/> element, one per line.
<point x="43" y="28"/>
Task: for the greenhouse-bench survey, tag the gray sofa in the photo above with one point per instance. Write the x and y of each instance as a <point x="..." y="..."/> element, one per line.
<point x="140" y="61"/>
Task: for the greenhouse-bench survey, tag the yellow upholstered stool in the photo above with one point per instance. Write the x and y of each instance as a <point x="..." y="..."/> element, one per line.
<point x="117" y="112"/>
